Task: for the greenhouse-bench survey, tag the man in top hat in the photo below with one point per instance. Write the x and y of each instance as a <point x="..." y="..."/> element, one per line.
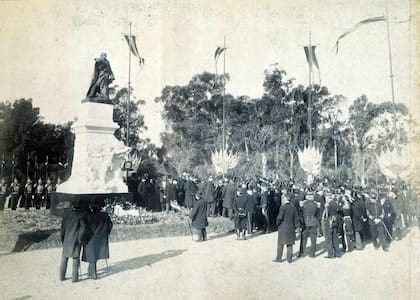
<point x="311" y="218"/>
<point x="229" y="192"/>
<point x="358" y="211"/>
<point x="287" y="221"/>
<point x="73" y="235"/>
<point x="99" y="226"/>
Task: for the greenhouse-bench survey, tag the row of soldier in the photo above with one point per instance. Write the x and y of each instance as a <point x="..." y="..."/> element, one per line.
<point x="17" y="195"/>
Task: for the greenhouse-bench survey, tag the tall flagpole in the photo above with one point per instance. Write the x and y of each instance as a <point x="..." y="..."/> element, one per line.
<point x="391" y="76"/>
<point x="129" y="91"/>
<point x="310" y="92"/>
<point x="224" y="92"/>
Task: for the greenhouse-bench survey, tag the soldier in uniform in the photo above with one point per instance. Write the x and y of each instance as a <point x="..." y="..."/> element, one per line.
<point x="311" y="218"/>
<point x="389" y="216"/>
<point x="375" y="215"/>
<point x="15" y="187"/>
<point x="3" y="193"/>
<point x="39" y="194"/>
<point x="48" y="189"/>
<point x="29" y="196"/>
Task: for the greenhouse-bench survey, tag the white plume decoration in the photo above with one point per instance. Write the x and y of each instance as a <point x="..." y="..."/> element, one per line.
<point x="224" y="160"/>
<point x="396" y="163"/>
<point x="310" y="159"/>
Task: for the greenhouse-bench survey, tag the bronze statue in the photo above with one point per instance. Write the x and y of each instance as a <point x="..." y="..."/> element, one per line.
<point x="102" y="78"/>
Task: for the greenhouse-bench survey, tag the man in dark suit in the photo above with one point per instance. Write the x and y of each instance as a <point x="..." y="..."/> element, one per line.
<point x="329" y="218"/>
<point x="229" y="192"/>
<point x="287" y="222"/>
<point x="73" y="235"/>
<point x="198" y="217"/>
<point x="310" y="211"/>
<point x="99" y="227"/>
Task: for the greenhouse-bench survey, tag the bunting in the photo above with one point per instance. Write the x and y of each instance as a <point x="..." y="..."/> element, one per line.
<point x="131" y="41"/>
<point x="354" y="28"/>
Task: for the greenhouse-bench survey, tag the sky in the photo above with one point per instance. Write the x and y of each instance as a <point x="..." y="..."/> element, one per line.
<point x="47" y="48"/>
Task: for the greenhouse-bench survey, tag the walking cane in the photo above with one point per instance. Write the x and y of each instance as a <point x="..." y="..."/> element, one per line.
<point x="106" y="262"/>
<point x="189" y="225"/>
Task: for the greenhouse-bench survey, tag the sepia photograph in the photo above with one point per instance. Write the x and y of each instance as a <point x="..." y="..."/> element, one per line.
<point x="225" y="149"/>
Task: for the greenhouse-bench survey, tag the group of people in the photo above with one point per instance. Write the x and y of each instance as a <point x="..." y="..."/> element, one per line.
<point x="347" y="216"/>
<point x="29" y="195"/>
<point x="84" y="232"/>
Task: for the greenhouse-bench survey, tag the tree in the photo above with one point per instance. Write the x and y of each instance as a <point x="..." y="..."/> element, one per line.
<point x="24" y="136"/>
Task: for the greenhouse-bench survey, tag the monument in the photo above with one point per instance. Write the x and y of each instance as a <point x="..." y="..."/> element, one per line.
<point x="98" y="156"/>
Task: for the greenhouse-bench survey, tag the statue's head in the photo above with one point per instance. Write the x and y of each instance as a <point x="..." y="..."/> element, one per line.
<point x="103" y="55"/>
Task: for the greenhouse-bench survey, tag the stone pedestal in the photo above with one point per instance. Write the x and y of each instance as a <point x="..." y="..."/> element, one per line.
<point x="98" y="155"/>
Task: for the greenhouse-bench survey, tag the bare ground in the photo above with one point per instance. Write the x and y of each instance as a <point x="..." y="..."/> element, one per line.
<point x="221" y="268"/>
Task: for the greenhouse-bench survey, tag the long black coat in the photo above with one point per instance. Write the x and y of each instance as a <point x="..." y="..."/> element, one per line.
<point x="198" y="214"/>
<point x="190" y="188"/>
<point x="73" y="232"/>
<point x="358" y="210"/>
<point x="229" y="192"/>
<point x="287" y="222"/>
<point x="100" y="226"/>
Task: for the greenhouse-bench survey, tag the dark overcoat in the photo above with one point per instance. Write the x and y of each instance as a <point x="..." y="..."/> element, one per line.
<point x="358" y="210"/>
<point x="73" y="232"/>
<point x="229" y="193"/>
<point x="287" y="222"/>
<point x="99" y="227"/>
<point x="310" y="213"/>
<point x="170" y="192"/>
<point x="198" y="214"/>
<point x="189" y="189"/>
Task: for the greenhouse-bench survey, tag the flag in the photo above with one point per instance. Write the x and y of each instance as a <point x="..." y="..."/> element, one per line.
<point x="310" y="56"/>
<point x="312" y="60"/>
<point x="355" y="27"/>
<point x="131" y="41"/>
<point x="218" y="52"/>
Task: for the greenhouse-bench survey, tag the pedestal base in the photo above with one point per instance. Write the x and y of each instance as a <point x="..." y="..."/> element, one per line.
<point x="98" y="155"/>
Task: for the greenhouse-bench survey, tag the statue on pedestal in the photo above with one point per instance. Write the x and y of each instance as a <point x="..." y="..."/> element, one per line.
<point x="102" y="78"/>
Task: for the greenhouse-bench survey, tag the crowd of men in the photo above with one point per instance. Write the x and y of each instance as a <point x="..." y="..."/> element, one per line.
<point x="29" y="195"/>
<point x="346" y="215"/>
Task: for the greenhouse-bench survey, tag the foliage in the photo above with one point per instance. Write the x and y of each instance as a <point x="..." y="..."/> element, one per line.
<point x="26" y="137"/>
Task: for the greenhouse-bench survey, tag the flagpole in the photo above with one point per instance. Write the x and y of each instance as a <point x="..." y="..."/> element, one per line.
<point x="224" y="93"/>
<point x="310" y="92"/>
<point x="391" y="76"/>
<point x="129" y="92"/>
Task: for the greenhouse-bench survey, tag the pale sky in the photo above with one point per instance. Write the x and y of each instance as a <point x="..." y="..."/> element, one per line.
<point x="47" y="47"/>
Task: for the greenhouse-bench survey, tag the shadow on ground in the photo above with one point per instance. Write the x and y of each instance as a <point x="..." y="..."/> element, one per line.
<point x="27" y="239"/>
<point x="140" y="262"/>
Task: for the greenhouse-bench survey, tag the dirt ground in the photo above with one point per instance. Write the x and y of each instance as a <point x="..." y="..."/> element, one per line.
<point x="221" y="268"/>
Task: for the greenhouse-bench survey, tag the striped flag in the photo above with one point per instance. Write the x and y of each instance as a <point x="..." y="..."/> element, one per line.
<point x="312" y="60"/>
<point x="355" y="27"/>
<point x="310" y="56"/>
<point x="131" y="41"/>
<point x="218" y="52"/>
